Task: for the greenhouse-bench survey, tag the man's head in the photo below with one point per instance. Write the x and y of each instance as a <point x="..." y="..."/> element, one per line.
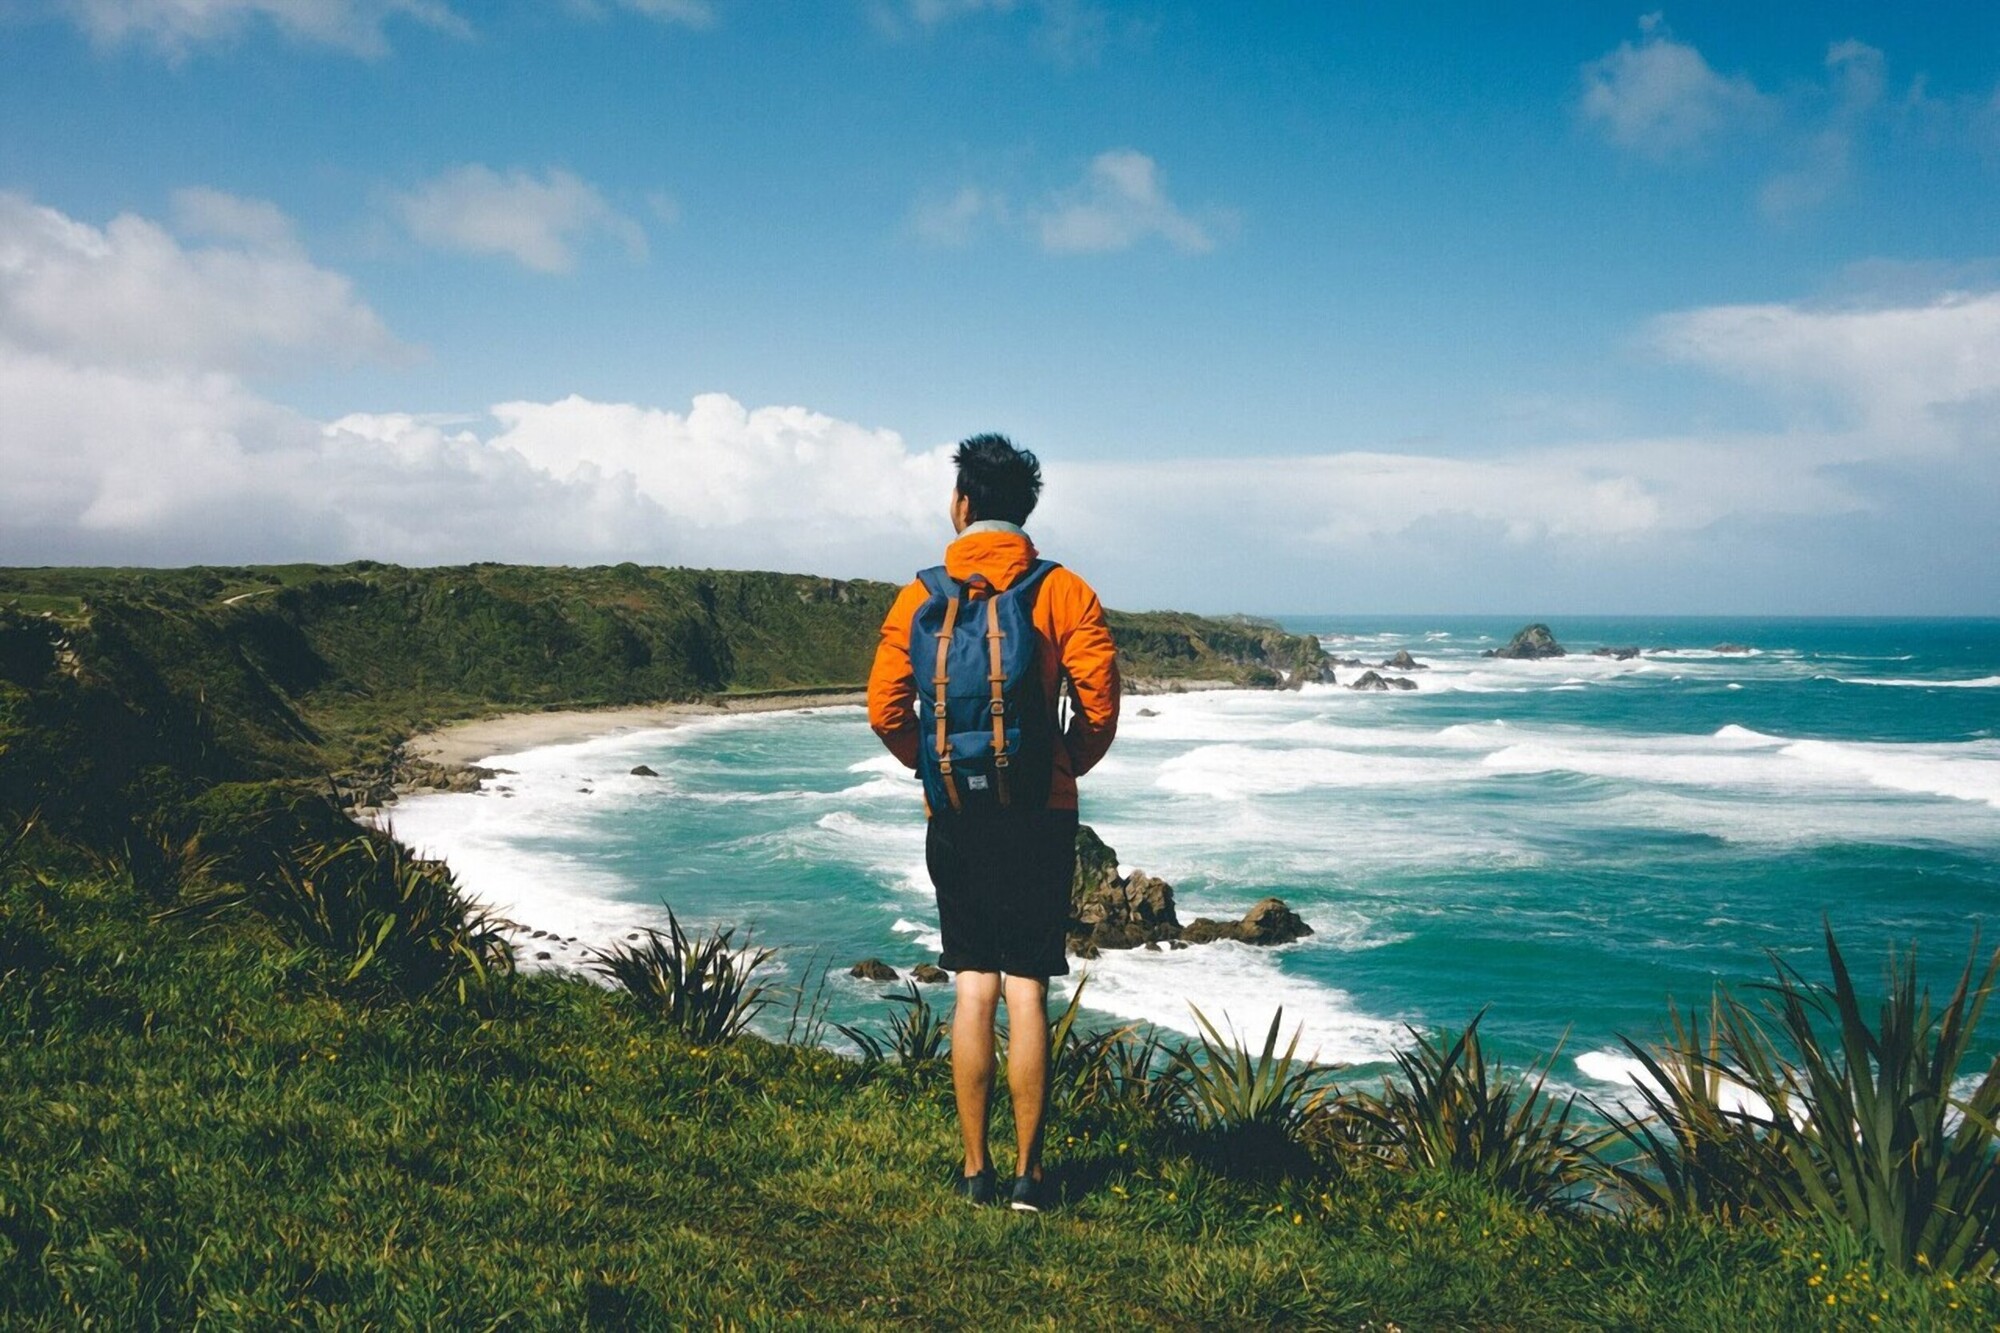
<point x="995" y="480"/>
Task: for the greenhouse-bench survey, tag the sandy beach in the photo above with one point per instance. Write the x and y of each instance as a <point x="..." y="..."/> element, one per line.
<point x="462" y="743"/>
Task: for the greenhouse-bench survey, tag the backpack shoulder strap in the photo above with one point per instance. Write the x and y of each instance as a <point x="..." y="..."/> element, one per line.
<point x="938" y="582"/>
<point x="1029" y="583"/>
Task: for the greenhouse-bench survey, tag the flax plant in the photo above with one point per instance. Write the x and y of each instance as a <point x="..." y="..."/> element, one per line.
<point x="1883" y="1146"/>
<point x="1256" y="1103"/>
<point x="702" y="987"/>
<point x="916" y="1035"/>
<point x="382" y="913"/>
<point x="1453" y="1110"/>
<point x="1121" y="1067"/>
<point x="1706" y="1144"/>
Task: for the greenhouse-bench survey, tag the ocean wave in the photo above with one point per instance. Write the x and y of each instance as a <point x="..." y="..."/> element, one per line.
<point x="1235" y="986"/>
<point x="1618" y="1069"/>
<point x="1920" y="683"/>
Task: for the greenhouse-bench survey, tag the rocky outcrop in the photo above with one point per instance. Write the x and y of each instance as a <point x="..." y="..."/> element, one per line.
<point x="1622" y="654"/>
<point x="930" y="974"/>
<point x="1113" y="911"/>
<point x="1531" y="643"/>
<point x="873" y="969"/>
<point x="1731" y="648"/>
<point x="1269" y="922"/>
<point x="1371" y="680"/>
<point x="1402" y="661"/>
<point x="642" y="771"/>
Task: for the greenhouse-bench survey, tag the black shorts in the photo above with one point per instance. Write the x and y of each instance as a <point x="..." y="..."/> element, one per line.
<point x="1002" y="885"/>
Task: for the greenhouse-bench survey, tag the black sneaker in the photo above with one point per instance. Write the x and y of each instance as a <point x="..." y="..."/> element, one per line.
<point x="980" y="1189"/>
<point x="1026" y="1196"/>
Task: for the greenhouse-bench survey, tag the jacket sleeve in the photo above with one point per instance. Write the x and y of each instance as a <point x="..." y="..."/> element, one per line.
<point x="892" y="695"/>
<point x="1090" y="659"/>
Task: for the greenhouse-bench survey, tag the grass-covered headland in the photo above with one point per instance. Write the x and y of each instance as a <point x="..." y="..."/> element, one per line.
<point x="260" y="1069"/>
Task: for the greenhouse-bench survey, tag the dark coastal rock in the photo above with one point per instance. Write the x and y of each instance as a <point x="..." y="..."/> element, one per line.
<point x="1112" y="911"/>
<point x="1136" y="911"/>
<point x="1149" y="712"/>
<point x="542" y="956"/>
<point x="641" y="771"/>
<point x="419" y="776"/>
<point x="1732" y="648"/>
<point x="873" y="969"/>
<point x="1531" y="643"/>
<point x="930" y="974"/>
<point x="1371" y="680"/>
<point x="1622" y="654"/>
<point x="1349" y="662"/>
<point x="1269" y="922"/>
<point x="1402" y="661"/>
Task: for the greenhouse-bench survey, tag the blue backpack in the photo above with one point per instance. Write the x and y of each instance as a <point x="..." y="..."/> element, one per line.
<point x="986" y="736"/>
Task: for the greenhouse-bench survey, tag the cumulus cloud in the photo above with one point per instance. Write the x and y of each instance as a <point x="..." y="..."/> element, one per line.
<point x="157" y="449"/>
<point x="1120" y="202"/>
<point x="174" y="26"/>
<point x="131" y="294"/>
<point x="1660" y="96"/>
<point x="1905" y="376"/>
<point x="537" y="222"/>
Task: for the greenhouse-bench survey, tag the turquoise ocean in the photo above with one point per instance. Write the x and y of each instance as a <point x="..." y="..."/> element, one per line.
<point x="1567" y="844"/>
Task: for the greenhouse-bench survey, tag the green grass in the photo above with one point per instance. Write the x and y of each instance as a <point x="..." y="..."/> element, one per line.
<point x="207" y="1128"/>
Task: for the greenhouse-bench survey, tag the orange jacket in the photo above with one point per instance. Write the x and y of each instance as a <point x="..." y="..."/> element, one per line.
<point x="1075" y="642"/>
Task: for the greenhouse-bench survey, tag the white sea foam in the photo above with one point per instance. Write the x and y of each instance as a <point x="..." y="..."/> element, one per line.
<point x="1239" y="985"/>
<point x="1237" y="772"/>
<point x="1620" y="1070"/>
<point x="1920" y="683"/>
<point x="1969" y="771"/>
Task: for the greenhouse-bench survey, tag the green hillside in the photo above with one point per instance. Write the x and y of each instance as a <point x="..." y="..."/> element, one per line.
<point x="298" y="671"/>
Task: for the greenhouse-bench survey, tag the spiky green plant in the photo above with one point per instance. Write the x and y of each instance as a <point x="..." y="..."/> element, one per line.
<point x="160" y="860"/>
<point x="382" y="913"/>
<point x="1228" y="1090"/>
<point x="1700" y="1147"/>
<point x="1883" y="1146"/>
<point x="700" y="986"/>
<point x="915" y="1036"/>
<point x="1123" y="1067"/>
<point x="1455" y="1110"/>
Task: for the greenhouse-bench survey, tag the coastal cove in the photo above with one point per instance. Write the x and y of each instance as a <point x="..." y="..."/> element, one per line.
<point x="1571" y="842"/>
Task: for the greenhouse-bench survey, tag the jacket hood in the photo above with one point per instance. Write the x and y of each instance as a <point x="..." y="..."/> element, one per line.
<point x="1001" y="556"/>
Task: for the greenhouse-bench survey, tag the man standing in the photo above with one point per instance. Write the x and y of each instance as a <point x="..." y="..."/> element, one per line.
<point x="1001" y="843"/>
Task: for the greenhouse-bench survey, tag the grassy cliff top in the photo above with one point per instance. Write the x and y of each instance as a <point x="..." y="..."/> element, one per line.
<point x="292" y="670"/>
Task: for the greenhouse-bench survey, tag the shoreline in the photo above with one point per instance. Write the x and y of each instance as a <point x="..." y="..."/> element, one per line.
<point x="459" y="745"/>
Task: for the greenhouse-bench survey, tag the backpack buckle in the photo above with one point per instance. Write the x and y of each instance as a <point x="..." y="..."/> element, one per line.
<point x="998" y="707"/>
<point x="1000" y="760"/>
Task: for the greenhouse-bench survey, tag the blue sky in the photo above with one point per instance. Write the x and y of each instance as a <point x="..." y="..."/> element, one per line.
<point x="1307" y="307"/>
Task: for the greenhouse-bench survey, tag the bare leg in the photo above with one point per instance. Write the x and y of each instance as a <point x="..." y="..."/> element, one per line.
<point x="1028" y="1068"/>
<point x="972" y="1061"/>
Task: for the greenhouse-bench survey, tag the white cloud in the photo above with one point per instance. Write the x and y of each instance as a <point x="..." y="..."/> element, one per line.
<point x="1660" y="96"/>
<point x="1902" y="375"/>
<point x="538" y="222"/>
<point x="130" y="294"/>
<point x="116" y="451"/>
<point x="951" y="220"/>
<point x="1119" y="203"/>
<point x="176" y="25"/>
